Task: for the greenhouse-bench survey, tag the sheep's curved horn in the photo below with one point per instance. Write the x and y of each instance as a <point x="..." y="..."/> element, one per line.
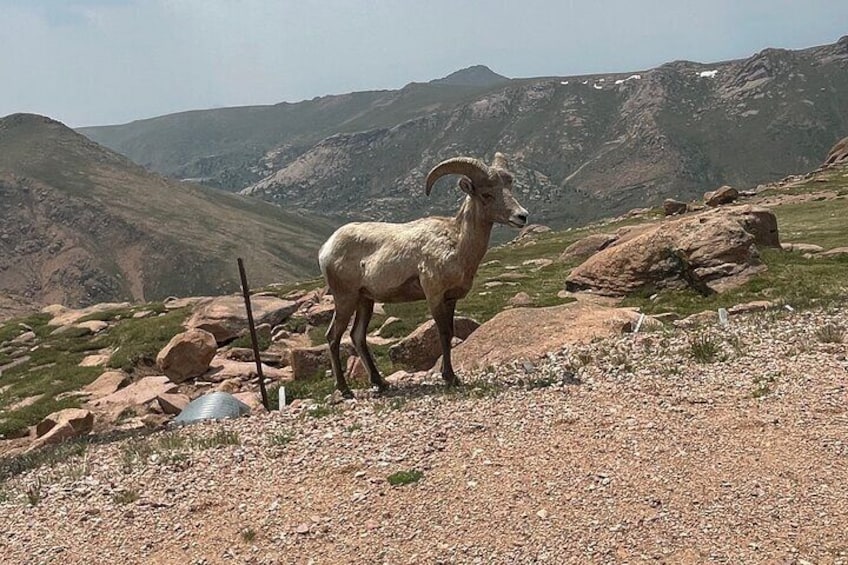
<point x="474" y="169"/>
<point x="500" y="161"/>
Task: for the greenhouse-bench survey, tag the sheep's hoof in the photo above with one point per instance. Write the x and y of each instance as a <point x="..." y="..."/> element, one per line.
<point x="347" y="394"/>
<point x="381" y="385"/>
<point x="453" y="381"/>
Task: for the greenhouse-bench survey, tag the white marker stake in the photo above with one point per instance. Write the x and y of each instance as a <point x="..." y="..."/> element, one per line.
<point x="722" y="316"/>
<point x="281" y="405"/>
<point x="639" y="323"/>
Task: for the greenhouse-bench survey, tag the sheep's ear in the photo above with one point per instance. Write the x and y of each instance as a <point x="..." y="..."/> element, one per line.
<point x="466" y="186"/>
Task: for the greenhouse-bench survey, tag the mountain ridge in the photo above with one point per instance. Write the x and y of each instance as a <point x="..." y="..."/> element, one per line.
<point x="583" y="147"/>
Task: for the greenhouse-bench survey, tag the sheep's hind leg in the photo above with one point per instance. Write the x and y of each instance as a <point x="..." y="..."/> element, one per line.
<point x="443" y="313"/>
<point x="341" y="317"/>
<point x="358" y="334"/>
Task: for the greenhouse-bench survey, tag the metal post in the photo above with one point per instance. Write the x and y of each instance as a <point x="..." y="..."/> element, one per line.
<point x="253" y="339"/>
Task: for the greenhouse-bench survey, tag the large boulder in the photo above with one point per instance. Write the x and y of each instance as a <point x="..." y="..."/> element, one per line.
<point x="758" y="221"/>
<point x="421" y="349"/>
<point x="530" y="333"/>
<point x="672" y="207"/>
<point x="226" y="318"/>
<point x="81" y="421"/>
<point x="710" y="252"/>
<point x="187" y="355"/>
<point x="63" y="425"/>
<point x="140" y="392"/>
<point x="722" y="195"/>
<point x="838" y="153"/>
<point x="587" y="246"/>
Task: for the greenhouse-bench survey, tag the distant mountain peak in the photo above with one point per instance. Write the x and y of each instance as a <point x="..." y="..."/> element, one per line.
<point x="23" y="119"/>
<point x="477" y="75"/>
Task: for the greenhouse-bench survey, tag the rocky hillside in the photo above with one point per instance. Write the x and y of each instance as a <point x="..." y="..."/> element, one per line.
<point x="80" y="224"/>
<point x="583" y="147"/>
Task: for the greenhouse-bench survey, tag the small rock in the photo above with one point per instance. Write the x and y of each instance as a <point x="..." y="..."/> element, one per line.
<point x="154" y="421"/>
<point x="387" y="325"/>
<point x="280" y="334"/>
<point x="835" y="252"/>
<point x="538" y="263"/>
<point x="334" y="398"/>
<point x="521" y="299"/>
<point x="802" y="247"/>
<point x="356" y="370"/>
<point x="24" y="338"/>
<point x="106" y="384"/>
<point x="398" y="377"/>
<point x="172" y="403"/>
<point x="755" y="306"/>
<point x="307" y="362"/>
<point x="93" y="326"/>
<point x="95" y="360"/>
<point x="701" y="318"/>
<point x="252" y="400"/>
<point x="230" y="385"/>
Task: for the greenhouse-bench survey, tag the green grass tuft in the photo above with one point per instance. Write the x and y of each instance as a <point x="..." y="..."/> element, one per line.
<point x="34" y="492"/>
<point x="248" y="535"/>
<point x="830" y="333"/>
<point x="125" y="496"/>
<point x="405" y="477"/>
<point x="280" y="439"/>
<point x="704" y="348"/>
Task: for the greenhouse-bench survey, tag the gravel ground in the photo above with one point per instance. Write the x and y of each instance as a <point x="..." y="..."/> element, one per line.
<point x="625" y="450"/>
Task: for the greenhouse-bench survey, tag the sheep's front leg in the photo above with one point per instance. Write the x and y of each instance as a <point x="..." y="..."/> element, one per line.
<point x="443" y="312"/>
<point x="341" y="317"/>
<point x="364" y="310"/>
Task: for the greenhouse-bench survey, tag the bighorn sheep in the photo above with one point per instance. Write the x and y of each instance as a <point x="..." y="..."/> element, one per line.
<point x="433" y="259"/>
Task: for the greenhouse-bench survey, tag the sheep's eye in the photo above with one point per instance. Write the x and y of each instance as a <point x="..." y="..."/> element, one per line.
<point x="488" y="197"/>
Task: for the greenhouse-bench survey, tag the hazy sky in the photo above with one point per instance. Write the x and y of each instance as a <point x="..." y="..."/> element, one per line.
<point x="92" y="62"/>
